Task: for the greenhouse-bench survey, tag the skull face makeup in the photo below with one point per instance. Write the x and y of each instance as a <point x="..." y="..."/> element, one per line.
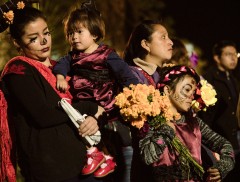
<point x="182" y="96"/>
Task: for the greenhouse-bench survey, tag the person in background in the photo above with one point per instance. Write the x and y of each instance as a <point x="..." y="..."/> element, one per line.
<point x="180" y="54"/>
<point x="222" y="117"/>
<point x="170" y="146"/>
<point x="97" y="74"/>
<point x="49" y="147"/>
<point x="148" y="48"/>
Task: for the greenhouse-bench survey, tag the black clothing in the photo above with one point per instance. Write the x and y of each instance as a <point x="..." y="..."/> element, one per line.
<point x="222" y="117"/>
<point x="49" y="147"/>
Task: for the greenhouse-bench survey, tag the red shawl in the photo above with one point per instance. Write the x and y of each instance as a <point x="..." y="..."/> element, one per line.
<point x="7" y="166"/>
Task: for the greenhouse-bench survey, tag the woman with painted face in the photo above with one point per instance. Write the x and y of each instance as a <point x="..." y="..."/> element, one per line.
<point x="49" y="147"/>
<point x="173" y="148"/>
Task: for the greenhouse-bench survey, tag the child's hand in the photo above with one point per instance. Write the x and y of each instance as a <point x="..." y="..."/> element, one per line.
<point x="100" y="111"/>
<point x="213" y="175"/>
<point x="62" y="84"/>
<point x="88" y="127"/>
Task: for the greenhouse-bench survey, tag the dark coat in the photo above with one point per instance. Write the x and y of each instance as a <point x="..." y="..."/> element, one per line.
<point x="222" y="117"/>
<point x="48" y="144"/>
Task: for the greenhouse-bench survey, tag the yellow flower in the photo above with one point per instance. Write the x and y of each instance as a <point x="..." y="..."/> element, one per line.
<point x="20" y="5"/>
<point x="196" y="105"/>
<point x="9" y="16"/>
<point x="208" y="93"/>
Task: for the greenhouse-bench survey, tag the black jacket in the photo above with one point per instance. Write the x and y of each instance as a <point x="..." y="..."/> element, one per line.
<point x="49" y="147"/>
<point x="222" y="117"/>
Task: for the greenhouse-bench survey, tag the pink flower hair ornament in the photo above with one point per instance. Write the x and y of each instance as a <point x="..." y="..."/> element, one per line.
<point x="205" y="95"/>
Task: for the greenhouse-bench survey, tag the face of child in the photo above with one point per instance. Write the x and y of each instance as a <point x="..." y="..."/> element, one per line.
<point x="160" y="47"/>
<point x="183" y="95"/>
<point x="36" y="40"/>
<point x="228" y="59"/>
<point x="82" y="40"/>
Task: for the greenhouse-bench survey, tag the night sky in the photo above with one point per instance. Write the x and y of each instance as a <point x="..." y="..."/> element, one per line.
<point x="205" y="22"/>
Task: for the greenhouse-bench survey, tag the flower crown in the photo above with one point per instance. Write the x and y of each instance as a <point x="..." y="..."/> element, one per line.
<point x="171" y="71"/>
<point x="9" y="16"/>
<point x="205" y="95"/>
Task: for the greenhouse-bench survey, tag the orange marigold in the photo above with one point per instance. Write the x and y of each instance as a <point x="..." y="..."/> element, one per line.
<point x="20" y="5"/>
<point x="8" y="16"/>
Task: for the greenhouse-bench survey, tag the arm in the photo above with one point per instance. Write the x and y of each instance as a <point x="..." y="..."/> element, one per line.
<point x="62" y="66"/>
<point x="61" y="70"/>
<point x="154" y="143"/>
<point x="121" y="70"/>
<point x="218" y="144"/>
<point x="33" y="96"/>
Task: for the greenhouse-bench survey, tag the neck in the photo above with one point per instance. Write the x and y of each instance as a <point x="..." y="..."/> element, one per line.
<point x="221" y="68"/>
<point x="153" y="60"/>
<point x="91" y="48"/>
<point x="47" y="62"/>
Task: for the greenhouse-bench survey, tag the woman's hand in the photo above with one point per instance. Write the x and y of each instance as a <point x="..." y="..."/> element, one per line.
<point x="213" y="175"/>
<point x="88" y="127"/>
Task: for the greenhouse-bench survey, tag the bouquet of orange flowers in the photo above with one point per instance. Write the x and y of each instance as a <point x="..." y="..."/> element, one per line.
<point x="140" y="102"/>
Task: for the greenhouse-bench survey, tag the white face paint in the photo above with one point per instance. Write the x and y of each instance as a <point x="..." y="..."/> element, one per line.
<point x="183" y="95"/>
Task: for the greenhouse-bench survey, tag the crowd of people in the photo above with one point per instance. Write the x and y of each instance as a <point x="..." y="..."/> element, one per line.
<point x="37" y="135"/>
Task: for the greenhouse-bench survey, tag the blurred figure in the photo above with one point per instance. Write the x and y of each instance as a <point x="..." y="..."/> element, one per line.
<point x="180" y="53"/>
<point x="222" y="117"/>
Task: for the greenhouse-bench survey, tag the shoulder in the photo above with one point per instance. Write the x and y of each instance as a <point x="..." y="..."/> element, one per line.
<point x="113" y="55"/>
<point x="66" y="58"/>
<point x="136" y="70"/>
<point x="17" y="65"/>
<point x="210" y="74"/>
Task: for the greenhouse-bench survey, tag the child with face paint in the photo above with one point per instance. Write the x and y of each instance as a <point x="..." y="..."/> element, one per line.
<point x="179" y="84"/>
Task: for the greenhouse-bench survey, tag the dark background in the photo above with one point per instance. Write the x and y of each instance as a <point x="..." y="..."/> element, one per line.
<point x="205" y="22"/>
<point x="200" y="22"/>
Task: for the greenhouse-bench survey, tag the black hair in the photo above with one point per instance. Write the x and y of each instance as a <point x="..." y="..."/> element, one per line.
<point x="218" y="47"/>
<point x="134" y="49"/>
<point x="22" y="17"/>
<point x="89" y="17"/>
